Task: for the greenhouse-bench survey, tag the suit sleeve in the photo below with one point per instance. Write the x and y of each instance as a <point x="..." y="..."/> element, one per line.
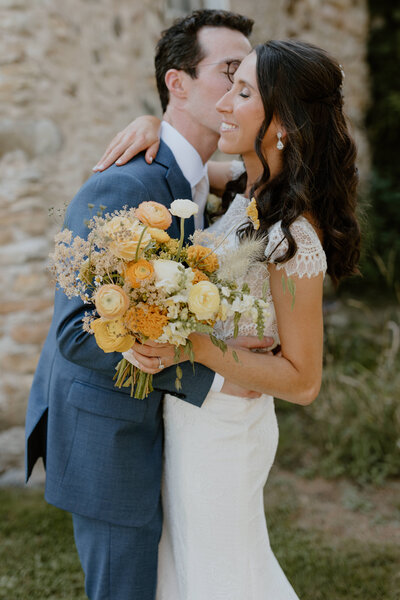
<point x="114" y="191"/>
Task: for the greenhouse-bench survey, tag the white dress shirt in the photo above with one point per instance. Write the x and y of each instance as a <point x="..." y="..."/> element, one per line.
<point x="193" y="169"/>
<point x="191" y="165"/>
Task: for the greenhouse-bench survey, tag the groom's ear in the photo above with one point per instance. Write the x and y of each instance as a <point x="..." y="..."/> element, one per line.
<point x="174" y="80"/>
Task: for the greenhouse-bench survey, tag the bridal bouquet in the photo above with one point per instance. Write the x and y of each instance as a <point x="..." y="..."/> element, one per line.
<point x="145" y="285"/>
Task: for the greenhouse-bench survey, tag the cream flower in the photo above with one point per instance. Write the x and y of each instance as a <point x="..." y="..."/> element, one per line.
<point x="183" y="208"/>
<point x="167" y="274"/>
<point x="204" y="300"/>
<point x="111" y="301"/>
<point x="125" y="236"/>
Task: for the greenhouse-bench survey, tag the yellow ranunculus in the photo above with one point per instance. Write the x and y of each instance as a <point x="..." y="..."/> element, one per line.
<point x="204" y="300"/>
<point x="124" y="237"/>
<point x="112" y="336"/>
<point x="154" y="214"/>
<point x="139" y="271"/>
<point x="158" y="235"/>
<point x="111" y="301"/>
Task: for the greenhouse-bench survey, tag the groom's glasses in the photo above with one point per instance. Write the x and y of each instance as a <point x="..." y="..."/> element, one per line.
<point x="231" y="67"/>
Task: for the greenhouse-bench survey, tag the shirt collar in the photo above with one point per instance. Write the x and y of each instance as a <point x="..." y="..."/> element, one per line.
<point x="187" y="157"/>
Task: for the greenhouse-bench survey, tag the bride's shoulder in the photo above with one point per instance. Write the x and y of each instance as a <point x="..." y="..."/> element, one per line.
<point x="309" y="259"/>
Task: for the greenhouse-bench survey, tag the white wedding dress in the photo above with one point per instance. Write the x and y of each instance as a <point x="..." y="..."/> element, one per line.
<point x="215" y="544"/>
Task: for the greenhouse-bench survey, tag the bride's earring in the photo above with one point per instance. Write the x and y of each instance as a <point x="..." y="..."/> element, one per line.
<point x="279" y="144"/>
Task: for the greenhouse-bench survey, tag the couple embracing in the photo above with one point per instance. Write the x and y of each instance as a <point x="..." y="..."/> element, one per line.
<point x="279" y="106"/>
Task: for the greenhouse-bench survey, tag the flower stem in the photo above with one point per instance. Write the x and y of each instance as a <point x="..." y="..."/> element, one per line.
<point x="178" y="254"/>
<point x="139" y="242"/>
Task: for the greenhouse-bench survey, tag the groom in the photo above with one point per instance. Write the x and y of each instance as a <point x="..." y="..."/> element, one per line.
<point x="103" y="449"/>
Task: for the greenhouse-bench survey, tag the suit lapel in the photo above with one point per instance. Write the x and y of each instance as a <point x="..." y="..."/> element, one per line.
<point x="177" y="183"/>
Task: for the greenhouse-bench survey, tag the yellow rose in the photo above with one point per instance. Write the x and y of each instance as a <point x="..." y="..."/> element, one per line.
<point x="159" y="235"/>
<point x="139" y="271"/>
<point x="204" y="300"/>
<point x="112" y="336"/>
<point x="124" y="237"/>
<point x="111" y="301"/>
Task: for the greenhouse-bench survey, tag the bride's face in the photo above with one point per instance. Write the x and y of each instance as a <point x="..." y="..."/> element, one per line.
<point x="241" y="110"/>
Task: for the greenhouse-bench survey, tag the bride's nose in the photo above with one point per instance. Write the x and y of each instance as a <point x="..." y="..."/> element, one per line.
<point x="224" y="105"/>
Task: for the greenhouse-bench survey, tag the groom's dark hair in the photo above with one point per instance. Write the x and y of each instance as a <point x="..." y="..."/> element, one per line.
<point x="179" y="48"/>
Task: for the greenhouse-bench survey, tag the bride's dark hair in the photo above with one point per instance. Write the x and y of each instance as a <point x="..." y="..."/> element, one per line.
<point x="301" y="85"/>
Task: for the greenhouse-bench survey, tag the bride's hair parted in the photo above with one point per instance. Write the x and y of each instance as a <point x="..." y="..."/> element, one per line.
<point x="301" y="85"/>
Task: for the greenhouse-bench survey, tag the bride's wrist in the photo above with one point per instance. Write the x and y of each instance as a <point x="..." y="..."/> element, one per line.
<point x="199" y="341"/>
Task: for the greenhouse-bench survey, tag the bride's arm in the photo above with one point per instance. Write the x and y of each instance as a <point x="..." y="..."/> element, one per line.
<point x="294" y="376"/>
<point x="141" y="134"/>
<point x="219" y="173"/>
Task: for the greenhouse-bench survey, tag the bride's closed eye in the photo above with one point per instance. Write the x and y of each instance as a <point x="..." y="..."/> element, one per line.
<point x="245" y="93"/>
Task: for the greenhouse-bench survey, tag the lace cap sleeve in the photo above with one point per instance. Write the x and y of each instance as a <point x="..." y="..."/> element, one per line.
<point x="310" y="258"/>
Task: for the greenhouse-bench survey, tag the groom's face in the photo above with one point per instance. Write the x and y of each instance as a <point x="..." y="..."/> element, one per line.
<point x="223" y="51"/>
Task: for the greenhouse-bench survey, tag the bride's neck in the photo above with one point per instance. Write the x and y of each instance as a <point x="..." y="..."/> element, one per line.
<point x="255" y="169"/>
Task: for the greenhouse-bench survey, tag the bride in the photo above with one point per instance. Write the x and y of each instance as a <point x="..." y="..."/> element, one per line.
<point x="284" y="116"/>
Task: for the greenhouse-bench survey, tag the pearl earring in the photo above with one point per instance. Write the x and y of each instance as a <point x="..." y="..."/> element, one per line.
<point x="279" y="144"/>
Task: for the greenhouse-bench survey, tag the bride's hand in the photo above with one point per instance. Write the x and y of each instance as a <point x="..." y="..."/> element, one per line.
<point x="152" y="357"/>
<point x="236" y="390"/>
<point x="141" y="134"/>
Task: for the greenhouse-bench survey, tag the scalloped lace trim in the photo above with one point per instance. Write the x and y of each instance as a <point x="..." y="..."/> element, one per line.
<point x="309" y="260"/>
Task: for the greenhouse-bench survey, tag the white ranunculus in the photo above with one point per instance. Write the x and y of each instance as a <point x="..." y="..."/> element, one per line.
<point x="183" y="208"/>
<point x="167" y="274"/>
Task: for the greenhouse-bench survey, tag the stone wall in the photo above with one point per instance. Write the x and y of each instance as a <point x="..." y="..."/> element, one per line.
<point x="71" y="75"/>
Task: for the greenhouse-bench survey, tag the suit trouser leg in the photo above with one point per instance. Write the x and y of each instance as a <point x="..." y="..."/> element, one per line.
<point x="120" y="563"/>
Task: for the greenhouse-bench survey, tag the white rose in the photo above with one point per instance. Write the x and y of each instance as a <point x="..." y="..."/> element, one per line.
<point x="167" y="274"/>
<point x="183" y="208"/>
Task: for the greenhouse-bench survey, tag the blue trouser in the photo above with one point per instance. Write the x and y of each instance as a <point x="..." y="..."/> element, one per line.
<point x="120" y="563"/>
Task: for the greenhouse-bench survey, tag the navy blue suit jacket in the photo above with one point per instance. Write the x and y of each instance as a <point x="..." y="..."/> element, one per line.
<point x="103" y="449"/>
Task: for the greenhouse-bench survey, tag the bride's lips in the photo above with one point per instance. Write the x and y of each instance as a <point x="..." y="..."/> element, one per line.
<point x="225" y="126"/>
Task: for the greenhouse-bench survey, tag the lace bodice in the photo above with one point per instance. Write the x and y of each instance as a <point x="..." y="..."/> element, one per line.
<point x="309" y="261"/>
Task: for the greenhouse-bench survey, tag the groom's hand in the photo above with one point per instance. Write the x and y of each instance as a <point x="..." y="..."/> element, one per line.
<point x="252" y="344"/>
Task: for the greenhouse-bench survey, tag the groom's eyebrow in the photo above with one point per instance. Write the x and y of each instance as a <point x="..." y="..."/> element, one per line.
<point x="230" y="59"/>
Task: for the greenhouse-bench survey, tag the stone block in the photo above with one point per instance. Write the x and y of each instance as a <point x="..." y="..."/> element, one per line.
<point x="29" y="333"/>
<point x="20" y="362"/>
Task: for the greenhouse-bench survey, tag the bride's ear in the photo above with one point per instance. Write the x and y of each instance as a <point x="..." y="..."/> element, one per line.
<point x="174" y="80"/>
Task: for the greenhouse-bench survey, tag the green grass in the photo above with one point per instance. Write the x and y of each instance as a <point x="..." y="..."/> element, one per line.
<point x="352" y="428"/>
<point x="38" y="558"/>
<point x="322" y="568"/>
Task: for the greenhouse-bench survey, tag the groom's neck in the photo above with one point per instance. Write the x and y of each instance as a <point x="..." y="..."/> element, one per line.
<point x="202" y="139"/>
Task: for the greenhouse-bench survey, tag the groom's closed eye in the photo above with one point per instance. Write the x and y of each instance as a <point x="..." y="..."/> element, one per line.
<point x="231" y="66"/>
